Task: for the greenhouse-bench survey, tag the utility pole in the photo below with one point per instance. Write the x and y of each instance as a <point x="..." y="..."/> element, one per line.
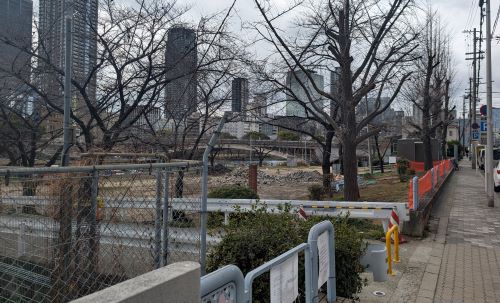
<point x="473" y="93"/>
<point x="463" y="125"/>
<point x="489" y="114"/>
<point x="474" y="90"/>
<point x="470" y="117"/>
<point x="67" y="133"/>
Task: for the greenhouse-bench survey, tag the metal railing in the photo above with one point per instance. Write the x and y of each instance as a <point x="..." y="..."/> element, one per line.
<point x="223" y="285"/>
<point x="65" y="232"/>
<point x="315" y="232"/>
<point x="227" y="282"/>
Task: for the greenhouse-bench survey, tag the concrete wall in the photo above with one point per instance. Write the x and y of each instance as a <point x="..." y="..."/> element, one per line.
<point x="419" y="218"/>
<point x="178" y="282"/>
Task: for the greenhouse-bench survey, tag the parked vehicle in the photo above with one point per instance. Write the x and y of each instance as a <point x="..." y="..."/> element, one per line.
<point x="496" y="177"/>
<point x="481" y="157"/>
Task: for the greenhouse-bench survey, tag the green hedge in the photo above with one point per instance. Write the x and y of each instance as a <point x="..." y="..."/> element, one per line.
<point x="233" y="192"/>
<point x="255" y="237"/>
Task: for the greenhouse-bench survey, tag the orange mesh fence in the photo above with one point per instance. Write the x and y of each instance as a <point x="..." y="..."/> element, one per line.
<point x="425" y="182"/>
<point x="419" y="166"/>
<point x="436" y="174"/>
<point x="448" y="165"/>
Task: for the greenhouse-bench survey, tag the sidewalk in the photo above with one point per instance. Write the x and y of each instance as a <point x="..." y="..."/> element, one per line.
<point x="464" y="264"/>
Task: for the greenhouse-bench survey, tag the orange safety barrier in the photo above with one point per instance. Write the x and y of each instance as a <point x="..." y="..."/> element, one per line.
<point x="425" y="182"/>
<point x="419" y="166"/>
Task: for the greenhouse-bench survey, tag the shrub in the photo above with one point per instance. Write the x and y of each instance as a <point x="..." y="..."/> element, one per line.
<point x="315" y="191"/>
<point x="255" y="136"/>
<point x="216" y="219"/>
<point x="403" y="166"/>
<point x="288" y="136"/>
<point x="258" y="236"/>
<point x="233" y="192"/>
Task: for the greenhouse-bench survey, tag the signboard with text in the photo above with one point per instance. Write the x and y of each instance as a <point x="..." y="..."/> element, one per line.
<point x="475" y="134"/>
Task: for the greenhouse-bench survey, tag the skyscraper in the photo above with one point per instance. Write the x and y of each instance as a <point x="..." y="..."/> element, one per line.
<point x="52" y="46"/>
<point x="239" y="94"/>
<point x="15" y="27"/>
<point x="300" y="89"/>
<point x="181" y="58"/>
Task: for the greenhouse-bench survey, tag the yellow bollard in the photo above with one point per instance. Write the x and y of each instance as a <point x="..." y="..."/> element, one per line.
<point x="394" y="229"/>
<point x="396" y="244"/>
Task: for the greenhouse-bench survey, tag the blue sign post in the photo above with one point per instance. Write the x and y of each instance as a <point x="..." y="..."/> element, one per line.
<point x="483" y="126"/>
<point x="475" y="134"/>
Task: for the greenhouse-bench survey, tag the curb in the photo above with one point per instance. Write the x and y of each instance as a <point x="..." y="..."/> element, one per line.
<point x="431" y="274"/>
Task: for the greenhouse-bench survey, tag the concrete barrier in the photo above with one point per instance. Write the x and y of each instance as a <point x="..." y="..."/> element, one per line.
<point x="178" y="282"/>
<point x="418" y="218"/>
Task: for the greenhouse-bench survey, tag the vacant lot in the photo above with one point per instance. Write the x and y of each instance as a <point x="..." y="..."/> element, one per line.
<point x="293" y="182"/>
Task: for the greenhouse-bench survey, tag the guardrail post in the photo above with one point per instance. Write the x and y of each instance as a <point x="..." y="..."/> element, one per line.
<point x="415" y="193"/>
<point x="226" y="218"/>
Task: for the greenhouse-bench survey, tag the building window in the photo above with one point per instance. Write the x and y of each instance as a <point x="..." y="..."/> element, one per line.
<point x="450" y="133"/>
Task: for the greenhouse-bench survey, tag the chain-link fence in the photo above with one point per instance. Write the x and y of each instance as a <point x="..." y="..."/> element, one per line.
<point x="66" y="232"/>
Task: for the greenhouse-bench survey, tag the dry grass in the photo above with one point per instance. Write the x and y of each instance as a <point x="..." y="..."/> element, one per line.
<point x="387" y="188"/>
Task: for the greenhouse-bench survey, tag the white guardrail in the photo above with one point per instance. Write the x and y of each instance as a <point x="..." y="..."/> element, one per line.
<point x="363" y="210"/>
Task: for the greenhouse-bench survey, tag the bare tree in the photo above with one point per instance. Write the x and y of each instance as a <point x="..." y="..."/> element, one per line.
<point x="370" y="42"/>
<point x="128" y="79"/>
<point x="429" y="90"/>
<point x="262" y="152"/>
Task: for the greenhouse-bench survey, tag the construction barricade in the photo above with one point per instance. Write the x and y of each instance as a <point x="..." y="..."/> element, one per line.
<point x="422" y="188"/>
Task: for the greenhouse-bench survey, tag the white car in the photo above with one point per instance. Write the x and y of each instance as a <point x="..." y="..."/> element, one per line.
<point x="496" y="177"/>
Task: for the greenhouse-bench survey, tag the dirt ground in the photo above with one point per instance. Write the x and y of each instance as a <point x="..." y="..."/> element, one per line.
<point x="281" y="182"/>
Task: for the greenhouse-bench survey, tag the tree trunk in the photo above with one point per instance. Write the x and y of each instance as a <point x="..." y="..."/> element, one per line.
<point x="351" y="189"/>
<point x="380" y="158"/>
<point x="427" y="151"/>
<point x="341" y="158"/>
<point x="326" y="163"/>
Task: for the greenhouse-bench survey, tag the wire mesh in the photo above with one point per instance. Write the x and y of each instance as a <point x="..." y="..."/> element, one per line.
<point x="68" y="234"/>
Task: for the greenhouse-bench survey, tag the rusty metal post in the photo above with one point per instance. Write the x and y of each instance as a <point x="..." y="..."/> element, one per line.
<point x="252" y="177"/>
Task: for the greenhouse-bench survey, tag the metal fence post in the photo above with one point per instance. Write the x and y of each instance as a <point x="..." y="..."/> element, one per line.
<point x="437" y="176"/>
<point x="204" y="192"/>
<point x="158" y="221"/>
<point x="415" y="193"/>
<point x="94" y="239"/>
<point x="218" y="283"/>
<point x="312" y="240"/>
<point x="432" y="179"/>
<point x="164" y="259"/>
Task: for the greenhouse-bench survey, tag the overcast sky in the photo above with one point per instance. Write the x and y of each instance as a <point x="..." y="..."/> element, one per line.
<point x="457" y="15"/>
